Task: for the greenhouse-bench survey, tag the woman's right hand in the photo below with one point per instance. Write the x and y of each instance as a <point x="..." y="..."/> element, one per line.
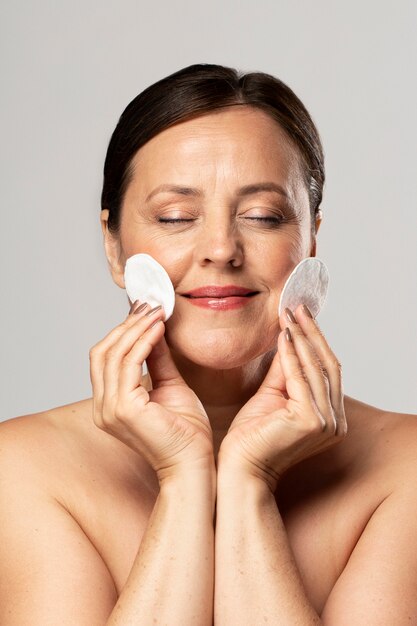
<point x="168" y="425"/>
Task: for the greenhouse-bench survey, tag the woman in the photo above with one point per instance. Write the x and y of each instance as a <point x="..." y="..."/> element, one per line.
<point x="236" y="483"/>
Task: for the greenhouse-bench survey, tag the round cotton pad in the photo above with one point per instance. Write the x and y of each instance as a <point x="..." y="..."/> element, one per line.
<point x="307" y="284"/>
<point x="146" y="280"/>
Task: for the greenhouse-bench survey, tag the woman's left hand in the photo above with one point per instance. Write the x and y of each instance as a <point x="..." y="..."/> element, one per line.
<point x="297" y="411"/>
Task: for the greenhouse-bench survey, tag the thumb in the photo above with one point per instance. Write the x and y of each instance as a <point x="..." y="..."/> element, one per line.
<point x="274" y="379"/>
<point x="161" y="366"/>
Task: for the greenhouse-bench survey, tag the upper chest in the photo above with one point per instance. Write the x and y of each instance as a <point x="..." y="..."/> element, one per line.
<point x="113" y="505"/>
<point x="111" y="496"/>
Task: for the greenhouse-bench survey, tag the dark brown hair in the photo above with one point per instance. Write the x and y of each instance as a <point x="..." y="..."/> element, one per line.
<point x="197" y="90"/>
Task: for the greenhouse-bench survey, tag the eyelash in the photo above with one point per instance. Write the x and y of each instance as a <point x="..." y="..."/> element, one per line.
<point x="271" y="220"/>
<point x="172" y="221"/>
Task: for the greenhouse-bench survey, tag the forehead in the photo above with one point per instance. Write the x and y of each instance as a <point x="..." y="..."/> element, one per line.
<point x="235" y="143"/>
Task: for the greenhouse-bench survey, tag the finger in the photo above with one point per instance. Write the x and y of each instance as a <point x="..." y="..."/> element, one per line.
<point x="162" y="367"/>
<point x="297" y="386"/>
<point x="118" y="351"/>
<point x="328" y="359"/>
<point x="130" y="370"/>
<point x="98" y="351"/>
<point x="274" y="379"/>
<point x="134" y="306"/>
<point x="313" y="371"/>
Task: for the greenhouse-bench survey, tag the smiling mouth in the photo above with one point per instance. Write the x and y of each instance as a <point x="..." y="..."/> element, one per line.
<point x="230" y="295"/>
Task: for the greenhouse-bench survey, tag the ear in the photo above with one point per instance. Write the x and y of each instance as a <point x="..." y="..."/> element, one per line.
<point x="318" y="220"/>
<point x="113" y="249"/>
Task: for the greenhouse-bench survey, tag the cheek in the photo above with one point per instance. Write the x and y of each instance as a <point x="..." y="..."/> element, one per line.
<point x="275" y="264"/>
<point x="177" y="266"/>
<point x="175" y="259"/>
<point x="279" y="258"/>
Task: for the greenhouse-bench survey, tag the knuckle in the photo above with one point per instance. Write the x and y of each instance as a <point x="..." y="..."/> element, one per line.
<point x="321" y="425"/>
<point x="112" y="354"/>
<point x="107" y="421"/>
<point x="93" y="353"/>
<point x="341" y="425"/>
<point x="98" y="419"/>
<point x="296" y="330"/>
<point x="125" y="324"/>
<point x="325" y="375"/>
<point x="343" y="429"/>
<point x="318" y="331"/>
<point x="128" y="322"/>
<point x="107" y="408"/>
<point x="335" y="364"/>
<point x="129" y="360"/>
<point x="299" y="376"/>
<point x="320" y="367"/>
<point x="314" y="424"/>
<point x="121" y="411"/>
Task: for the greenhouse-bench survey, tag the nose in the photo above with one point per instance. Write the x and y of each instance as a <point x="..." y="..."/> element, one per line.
<point x="219" y="243"/>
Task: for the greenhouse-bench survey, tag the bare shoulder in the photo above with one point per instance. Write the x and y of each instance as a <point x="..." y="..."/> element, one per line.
<point x="378" y="572"/>
<point x="74" y="503"/>
<point x="58" y="438"/>
<point x="39" y="439"/>
<point x="44" y="552"/>
<point x="42" y="422"/>
<point x="385" y="440"/>
<point x="75" y="463"/>
<point x="39" y="450"/>
<point x="63" y="444"/>
<point x="398" y="445"/>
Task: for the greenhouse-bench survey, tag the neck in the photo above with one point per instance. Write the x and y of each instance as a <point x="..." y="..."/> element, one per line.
<point x="223" y="392"/>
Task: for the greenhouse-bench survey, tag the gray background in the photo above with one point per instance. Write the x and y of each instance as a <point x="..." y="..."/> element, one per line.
<point x="67" y="71"/>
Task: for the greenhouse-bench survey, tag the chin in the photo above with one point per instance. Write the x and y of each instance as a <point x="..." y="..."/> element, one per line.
<point x="217" y="350"/>
<point x="219" y="361"/>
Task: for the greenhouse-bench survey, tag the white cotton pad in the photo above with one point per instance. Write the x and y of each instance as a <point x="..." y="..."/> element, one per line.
<point x="146" y="280"/>
<point x="307" y="284"/>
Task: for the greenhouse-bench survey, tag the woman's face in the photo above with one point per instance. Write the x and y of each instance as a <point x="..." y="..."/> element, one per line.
<point x="232" y="233"/>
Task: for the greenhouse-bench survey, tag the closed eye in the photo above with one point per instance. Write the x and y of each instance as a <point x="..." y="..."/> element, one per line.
<point x="271" y="220"/>
<point x="166" y="220"/>
<point x="265" y="219"/>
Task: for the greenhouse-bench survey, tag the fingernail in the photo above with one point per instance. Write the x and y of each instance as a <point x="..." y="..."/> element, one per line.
<point x="152" y="311"/>
<point x="135" y="303"/>
<point x="290" y="316"/>
<point x="288" y="334"/>
<point x="307" y="311"/>
<point x="155" y="323"/>
<point x="140" y="308"/>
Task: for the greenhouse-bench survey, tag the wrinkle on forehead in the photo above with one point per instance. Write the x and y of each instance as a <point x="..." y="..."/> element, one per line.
<point x="221" y="151"/>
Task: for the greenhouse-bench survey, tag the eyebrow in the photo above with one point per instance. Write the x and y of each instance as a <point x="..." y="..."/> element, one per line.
<point x="247" y="190"/>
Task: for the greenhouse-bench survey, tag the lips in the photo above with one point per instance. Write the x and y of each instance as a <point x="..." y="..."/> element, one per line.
<point x="217" y="291"/>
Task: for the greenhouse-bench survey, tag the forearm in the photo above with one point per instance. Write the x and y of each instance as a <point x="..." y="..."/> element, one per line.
<point x="257" y="579"/>
<point x="172" y="578"/>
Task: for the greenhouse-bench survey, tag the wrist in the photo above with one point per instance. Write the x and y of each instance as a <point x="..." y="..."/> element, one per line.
<point x="232" y="477"/>
<point x="196" y="481"/>
<point x="239" y="475"/>
<point x="200" y="467"/>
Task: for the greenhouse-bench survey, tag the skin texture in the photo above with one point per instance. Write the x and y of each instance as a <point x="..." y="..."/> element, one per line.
<point x="123" y="494"/>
